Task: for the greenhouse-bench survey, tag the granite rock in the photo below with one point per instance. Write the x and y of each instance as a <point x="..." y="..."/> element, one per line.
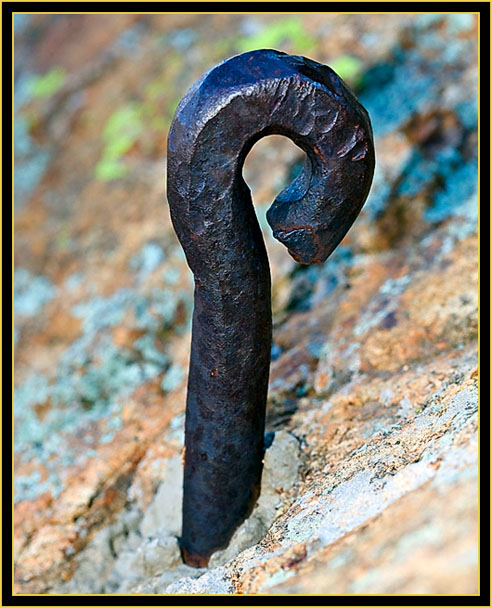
<point x="370" y="484"/>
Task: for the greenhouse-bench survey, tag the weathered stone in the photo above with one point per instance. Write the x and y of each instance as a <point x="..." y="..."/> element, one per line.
<point x="370" y="485"/>
<point x="164" y="511"/>
<point x="158" y="553"/>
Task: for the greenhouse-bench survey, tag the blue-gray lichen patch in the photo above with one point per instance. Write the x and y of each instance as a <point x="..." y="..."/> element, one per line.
<point x="31" y="292"/>
<point x="92" y="377"/>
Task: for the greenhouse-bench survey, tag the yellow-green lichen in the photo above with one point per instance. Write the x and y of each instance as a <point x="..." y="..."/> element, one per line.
<point x="289" y="31"/>
<point x="48" y="84"/>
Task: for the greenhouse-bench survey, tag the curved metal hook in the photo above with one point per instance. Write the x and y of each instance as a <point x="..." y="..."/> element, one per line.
<point x="216" y="124"/>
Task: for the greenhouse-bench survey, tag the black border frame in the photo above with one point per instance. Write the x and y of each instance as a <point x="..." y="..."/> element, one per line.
<point x="9" y="599"/>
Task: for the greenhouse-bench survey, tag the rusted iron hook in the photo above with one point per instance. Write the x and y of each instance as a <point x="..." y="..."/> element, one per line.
<point x="216" y="124"/>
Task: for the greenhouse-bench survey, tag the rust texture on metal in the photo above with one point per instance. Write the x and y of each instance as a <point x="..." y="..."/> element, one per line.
<point x="216" y="124"/>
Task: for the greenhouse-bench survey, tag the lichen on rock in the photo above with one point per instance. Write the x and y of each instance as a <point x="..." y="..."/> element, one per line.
<point x="370" y="483"/>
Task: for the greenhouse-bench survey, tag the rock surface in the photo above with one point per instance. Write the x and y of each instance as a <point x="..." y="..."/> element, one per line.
<point x="370" y="483"/>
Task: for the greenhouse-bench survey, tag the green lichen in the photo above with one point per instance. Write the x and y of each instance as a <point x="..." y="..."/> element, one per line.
<point x="289" y="31"/>
<point x="349" y="68"/>
<point x="131" y="124"/>
<point x="121" y="131"/>
<point x="48" y="84"/>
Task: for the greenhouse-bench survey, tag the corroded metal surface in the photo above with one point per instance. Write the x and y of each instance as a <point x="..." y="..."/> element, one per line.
<point x="216" y="124"/>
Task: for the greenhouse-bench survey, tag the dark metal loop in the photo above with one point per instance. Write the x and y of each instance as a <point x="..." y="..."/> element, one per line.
<point x="216" y="124"/>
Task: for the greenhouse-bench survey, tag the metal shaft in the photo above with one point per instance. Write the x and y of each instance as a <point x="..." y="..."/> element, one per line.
<point x="217" y="122"/>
